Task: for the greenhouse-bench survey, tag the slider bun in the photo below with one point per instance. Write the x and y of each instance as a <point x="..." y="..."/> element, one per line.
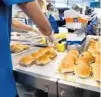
<point x="26" y="61"/>
<point x="92" y="49"/>
<point x="49" y="51"/>
<point x="40" y="52"/>
<point x="16" y="48"/>
<point x="98" y="58"/>
<point x="82" y="60"/>
<point x="82" y="70"/>
<point x="98" y="46"/>
<point x="36" y="55"/>
<point x="92" y="42"/>
<point x="43" y="50"/>
<point x="42" y="60"/>
<point x="96" y="72"/>
<point x="74" y="53"/>
<point x="67" y="64"/>
<point x="51" y="54"/>
<point x="87" y="53"/>
<point x="88" y="57"/>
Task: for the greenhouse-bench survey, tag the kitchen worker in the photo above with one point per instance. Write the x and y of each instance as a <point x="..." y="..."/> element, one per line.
<point x="32" y="9"/>
<point x="92" y="27"/>
<point x="19" y="26"/>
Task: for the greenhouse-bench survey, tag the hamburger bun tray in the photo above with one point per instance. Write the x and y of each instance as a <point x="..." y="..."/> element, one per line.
<point x="51" y="70"/>
<point x="88" y="39"/>
<point x="46" y="70"/>
<point x="21" y="52"/>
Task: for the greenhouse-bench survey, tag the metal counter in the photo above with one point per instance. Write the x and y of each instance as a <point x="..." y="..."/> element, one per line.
<point x="69" y="89"/>
<point x="44" y="78"/>
<point x="45" y="83"/>
<point x="39" y="77"/>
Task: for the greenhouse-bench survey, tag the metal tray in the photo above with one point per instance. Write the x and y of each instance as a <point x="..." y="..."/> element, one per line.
<point x="36" y="76"/>
<point x="24" y="51"/>
<point x="15" y="54"/>
<point x="87" y="83"/>
<point x="88" y="39"/>
<point x="47" y="70"/>
<point x="69" y="89"/>
<point x="29" y="38"/>
<point x="41" y="82"/>
<point x="50" y="70"/>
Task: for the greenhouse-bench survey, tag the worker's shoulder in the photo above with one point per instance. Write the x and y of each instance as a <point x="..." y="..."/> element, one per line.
<point x="11" y="2"/>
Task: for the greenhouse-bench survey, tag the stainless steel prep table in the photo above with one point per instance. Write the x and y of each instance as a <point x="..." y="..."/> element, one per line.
<point x="70" y="89"/>
<point x="43" y="78"/>
<point x="45" y="83"/>
<point x="36" y="76"/>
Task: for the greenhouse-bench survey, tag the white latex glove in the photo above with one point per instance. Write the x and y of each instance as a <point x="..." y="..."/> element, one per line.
<point x="51" y="40"/>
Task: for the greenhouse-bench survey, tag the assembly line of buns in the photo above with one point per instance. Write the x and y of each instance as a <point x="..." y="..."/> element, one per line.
<point x="85" y="64"/>
<point x="40" y="57"/>
<point x="16" y="48"/>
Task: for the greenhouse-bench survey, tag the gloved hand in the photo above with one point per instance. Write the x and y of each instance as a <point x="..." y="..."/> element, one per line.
<point x="51" y="41"/>
<point x="50" y="38"/>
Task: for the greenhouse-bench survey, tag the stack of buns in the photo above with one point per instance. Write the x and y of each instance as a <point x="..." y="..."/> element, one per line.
<point x="16" y="48"/>
<point x="97" y="56"/>
<point x="42" y="60"/>
<point x="40" y="57"/>
<point x="96" y="66"/>
<point x="89" y="61"/>
<point x="68" y="62"/>
<point x="96" y="71"/>
<point x="85" y="58"/>
<point x="27" y="61"/>
<point x="94" y="45"/>
<point x="94" y="48"/>
<point x="82" y="68"/>
<point x="83" y="65"/>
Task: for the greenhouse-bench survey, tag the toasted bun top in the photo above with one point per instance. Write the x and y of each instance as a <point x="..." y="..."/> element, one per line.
<point x="26" y="59"/>
<point x="82" y="70"/>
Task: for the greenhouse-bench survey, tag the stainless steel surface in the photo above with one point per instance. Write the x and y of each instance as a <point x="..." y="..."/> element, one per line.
<point x="69" y="89"/>
<point x="49" y="69"/>
<point x="17" y="57"/>
<point x="36" y="76"/>
<point x="50" y="95"/>
<point x="44" y="78"/>
<point x="22" y="52"/>
<point x="29" y="38"/>
<point x="45" y="83"/>
<point x="88" y="39"/>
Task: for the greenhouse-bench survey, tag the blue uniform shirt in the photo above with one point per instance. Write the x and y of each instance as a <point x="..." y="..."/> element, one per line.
<point x="7" y="82"/>
<point x="90" y="27"/>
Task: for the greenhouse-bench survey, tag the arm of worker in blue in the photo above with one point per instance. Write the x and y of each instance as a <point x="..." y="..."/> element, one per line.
<point x="11" y="2"/>
<point x="34" y="12"/>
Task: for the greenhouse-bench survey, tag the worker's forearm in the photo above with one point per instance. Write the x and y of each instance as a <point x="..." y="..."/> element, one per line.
<point x="20" y="26"/>
<point x="33" y="10"/>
